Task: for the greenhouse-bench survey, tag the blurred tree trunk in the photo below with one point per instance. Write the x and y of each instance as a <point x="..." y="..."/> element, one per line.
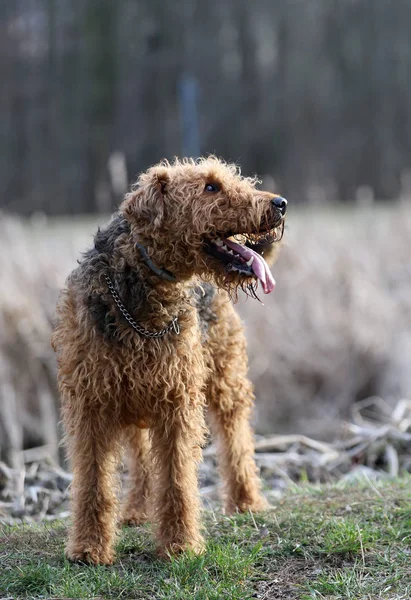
<point x="100" y="32"/>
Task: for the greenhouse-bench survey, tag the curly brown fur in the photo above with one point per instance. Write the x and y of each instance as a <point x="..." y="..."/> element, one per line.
<point x="119" y="387"/>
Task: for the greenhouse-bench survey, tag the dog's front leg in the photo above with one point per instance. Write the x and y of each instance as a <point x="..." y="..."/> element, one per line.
<point x="176" y="445"/>
<point x="94" y="452"/>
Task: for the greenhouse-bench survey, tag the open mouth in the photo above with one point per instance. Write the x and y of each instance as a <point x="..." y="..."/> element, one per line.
<point x="242" y="255"/>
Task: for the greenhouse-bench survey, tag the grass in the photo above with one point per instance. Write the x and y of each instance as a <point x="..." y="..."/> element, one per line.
<point x="331" y="542"/>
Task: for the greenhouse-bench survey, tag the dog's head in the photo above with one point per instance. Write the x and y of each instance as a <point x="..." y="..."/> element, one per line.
<point x="202" y="217"/>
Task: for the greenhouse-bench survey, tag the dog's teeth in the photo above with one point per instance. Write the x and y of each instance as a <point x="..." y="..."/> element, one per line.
<point x="250" y="262"/>
<point x="230" y="252"/>
<point x="224" y="247"/>
<point x="219" y="242"/>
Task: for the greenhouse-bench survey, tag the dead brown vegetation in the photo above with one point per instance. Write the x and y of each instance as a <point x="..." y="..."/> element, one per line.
<point x="335" y="330"/>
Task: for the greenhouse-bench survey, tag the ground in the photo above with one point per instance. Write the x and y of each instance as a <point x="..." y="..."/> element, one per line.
<point x="339" y="542"/>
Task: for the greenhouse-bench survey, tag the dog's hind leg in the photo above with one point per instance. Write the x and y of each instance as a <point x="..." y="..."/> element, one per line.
<point x="235" y="457"/>
<point x="230" y="399"/>
<point x="140" y="468"/>
<point x="94" y="451"/>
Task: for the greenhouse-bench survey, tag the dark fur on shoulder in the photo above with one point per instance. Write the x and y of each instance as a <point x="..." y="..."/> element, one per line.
<point x="130" y="285"/>
<point x="127" y="281"/>
<point x="204" y="296"/>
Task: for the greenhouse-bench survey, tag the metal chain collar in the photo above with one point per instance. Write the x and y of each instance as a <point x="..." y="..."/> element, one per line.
<point x="172" y="326"/>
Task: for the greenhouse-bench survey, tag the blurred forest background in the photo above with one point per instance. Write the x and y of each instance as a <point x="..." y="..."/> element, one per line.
<point x="317" y="94"/>
<point x="313" y="96"/>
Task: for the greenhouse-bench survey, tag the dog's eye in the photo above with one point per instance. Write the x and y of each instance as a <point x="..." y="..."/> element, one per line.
<point x="211" y="187"/>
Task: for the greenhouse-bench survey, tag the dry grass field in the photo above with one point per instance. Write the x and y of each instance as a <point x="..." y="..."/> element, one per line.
<point x="337" y="328"/>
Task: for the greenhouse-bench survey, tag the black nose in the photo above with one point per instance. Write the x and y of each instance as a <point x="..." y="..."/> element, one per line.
<point x="280" y="203"/>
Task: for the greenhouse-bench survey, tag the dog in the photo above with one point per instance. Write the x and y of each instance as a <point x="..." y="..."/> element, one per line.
<point x="148" y="342"/>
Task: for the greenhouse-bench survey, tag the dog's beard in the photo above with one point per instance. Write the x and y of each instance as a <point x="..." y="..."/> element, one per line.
<point x="242" y="261"/>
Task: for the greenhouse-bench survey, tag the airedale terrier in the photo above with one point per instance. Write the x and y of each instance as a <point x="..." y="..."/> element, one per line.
<point x="147" y="339"/>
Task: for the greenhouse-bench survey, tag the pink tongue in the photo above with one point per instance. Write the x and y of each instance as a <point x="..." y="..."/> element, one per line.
<point x="259" y="266"/>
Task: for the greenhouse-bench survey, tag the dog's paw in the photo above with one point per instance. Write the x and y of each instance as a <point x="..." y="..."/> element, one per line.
<point x="88" y="554"/>
<point x="133" y="518"/>
<point x="196" y="546"/>
<point x="257" y="505"/>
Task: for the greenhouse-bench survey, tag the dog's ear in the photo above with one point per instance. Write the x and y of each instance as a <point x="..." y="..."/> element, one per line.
<point x="147" y="200"/>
